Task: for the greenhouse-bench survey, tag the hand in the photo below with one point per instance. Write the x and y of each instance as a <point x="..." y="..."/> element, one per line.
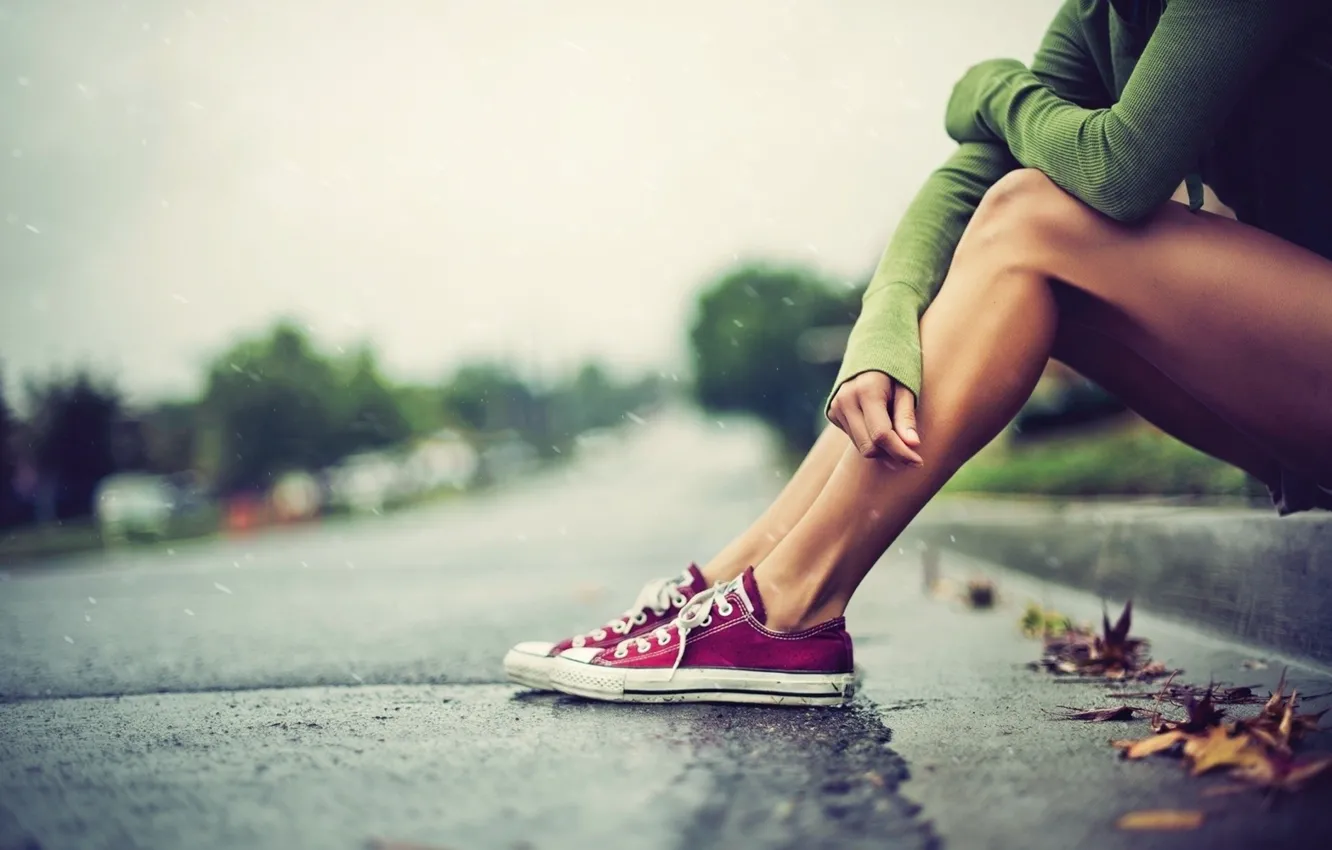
<point x="879" y="415"/>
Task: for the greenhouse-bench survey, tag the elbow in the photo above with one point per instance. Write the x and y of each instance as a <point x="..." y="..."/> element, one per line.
<point x="1127" y="210"/>
<point x="1130" y="195"/>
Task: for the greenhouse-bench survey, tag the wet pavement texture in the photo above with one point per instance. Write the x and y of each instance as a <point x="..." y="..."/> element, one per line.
<point x="330" y="686"/>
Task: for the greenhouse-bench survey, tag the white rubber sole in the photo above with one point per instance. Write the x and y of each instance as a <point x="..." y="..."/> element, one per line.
<point x="525" y="666"/>
<point x="716" y="684"/>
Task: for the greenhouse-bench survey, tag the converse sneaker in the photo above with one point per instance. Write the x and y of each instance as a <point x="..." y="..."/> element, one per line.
<point x="716" y="650"/>
<point x="529" y="663"/>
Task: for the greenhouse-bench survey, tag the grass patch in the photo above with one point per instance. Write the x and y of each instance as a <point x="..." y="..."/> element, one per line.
<point x="1128" y="457"/>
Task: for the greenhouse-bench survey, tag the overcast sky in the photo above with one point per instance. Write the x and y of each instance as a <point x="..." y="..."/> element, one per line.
<point x="536" y="180"/>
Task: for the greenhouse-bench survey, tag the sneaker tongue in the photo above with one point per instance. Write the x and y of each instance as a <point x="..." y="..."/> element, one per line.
<point x="693" y="581"/>
<point x="748" y="591"/>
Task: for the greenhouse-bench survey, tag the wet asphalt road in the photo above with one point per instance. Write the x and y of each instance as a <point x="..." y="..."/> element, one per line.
<point x="325" y="687"/>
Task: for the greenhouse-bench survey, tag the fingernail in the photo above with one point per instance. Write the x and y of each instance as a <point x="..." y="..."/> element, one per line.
<point x="912" y="435"/>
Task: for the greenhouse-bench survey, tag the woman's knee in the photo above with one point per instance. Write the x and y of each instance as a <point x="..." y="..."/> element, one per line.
<point x="1025" y="215"/>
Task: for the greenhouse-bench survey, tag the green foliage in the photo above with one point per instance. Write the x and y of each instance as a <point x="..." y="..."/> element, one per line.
<point x="371" y="414"/>
<point x="747" y="346"/>
<point x="1125" y="460"/>
<point x="73" y="424"/>
<point x="170" y="432"/>
<point x="490" y="397"/>
<point x="275" y="403"/>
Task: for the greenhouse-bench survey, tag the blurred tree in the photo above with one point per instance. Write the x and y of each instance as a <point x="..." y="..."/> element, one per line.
<point x="747" y="347"/>
<point x="74" y="426"/>
<point x="490" y="397"/>
<point x="371" y="415"/>
<point x="170" y="435"/>
<point x="271" y="404"/>
<point x="8" y="498"/>
<point x="422" y="408"/>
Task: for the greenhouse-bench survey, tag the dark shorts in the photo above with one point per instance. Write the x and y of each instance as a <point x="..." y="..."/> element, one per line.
<point x="1297" y="493"/>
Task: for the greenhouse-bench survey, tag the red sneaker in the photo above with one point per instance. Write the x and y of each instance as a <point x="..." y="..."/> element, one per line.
<point x="530" y="662"/>
<point x="717" y="650"/>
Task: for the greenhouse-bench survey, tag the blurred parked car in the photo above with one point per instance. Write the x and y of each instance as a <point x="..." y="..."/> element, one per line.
<point x="133" y="505"/>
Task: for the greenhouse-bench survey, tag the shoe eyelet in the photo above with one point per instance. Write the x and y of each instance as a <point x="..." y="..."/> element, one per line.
<point x="725" y="612"/>
<point x="619" y="653"/>
<point x="663" y="640"/>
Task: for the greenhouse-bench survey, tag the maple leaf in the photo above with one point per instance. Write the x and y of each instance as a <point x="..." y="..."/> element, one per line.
<point x="1151" y="745"/>
<point x="1161" y="819"/>
<point x="1203" y="714"/>
<point x="1110" y="655"/>
<point x="1218" y="748"/>
<point x="1282" y="773"/>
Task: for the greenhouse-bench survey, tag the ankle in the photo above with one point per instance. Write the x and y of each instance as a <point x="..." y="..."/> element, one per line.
<point x="718" y="570"/>
<point x="734" y="560"/>
<point x="793" y="605"/>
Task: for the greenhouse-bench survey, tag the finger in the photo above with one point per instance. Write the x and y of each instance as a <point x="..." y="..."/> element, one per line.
<point x="880" y="428"/>
<point x="904" y="416"/>
<point x="858" y="432"/>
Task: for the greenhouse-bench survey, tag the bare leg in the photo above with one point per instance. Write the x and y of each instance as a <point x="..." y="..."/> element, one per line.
<point x="1238" y="320"/>
<point x="754" y="544"/>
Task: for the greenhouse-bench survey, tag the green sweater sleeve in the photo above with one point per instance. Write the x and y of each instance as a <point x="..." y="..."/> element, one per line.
<point x="1127" y="158"/>
<point x="886" y="337"/>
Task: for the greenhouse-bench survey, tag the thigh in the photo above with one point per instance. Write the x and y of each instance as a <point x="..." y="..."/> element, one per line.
<point x="1081" y="345"/>
<point x="1239" y="319"/>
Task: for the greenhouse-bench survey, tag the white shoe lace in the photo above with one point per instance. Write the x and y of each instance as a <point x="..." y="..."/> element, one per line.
<point x="696" y="614"/>
<point x="658" y="596"/>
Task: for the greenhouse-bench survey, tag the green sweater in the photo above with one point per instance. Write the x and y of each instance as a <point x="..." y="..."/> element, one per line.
<point x="1123" y="101"/>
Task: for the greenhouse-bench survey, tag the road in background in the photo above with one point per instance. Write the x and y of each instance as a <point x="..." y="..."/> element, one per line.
<point x="325" y="686"/>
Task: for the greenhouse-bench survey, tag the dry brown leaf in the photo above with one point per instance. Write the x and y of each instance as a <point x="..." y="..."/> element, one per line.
<point x="1149" y="745"/>
<point x="1161" y="819"/>
<point x="1279" y="773"/>
<point x="1218" y="748"/>
<point x="1112" y="655"/>
<point x="1179" y="694"/>
<point x="979" y="594"/>
<point x="1100" y="715"/>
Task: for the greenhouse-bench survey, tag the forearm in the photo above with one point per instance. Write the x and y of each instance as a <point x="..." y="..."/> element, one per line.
<point x="886" y="337"/>
<point x="1125" y="158"/>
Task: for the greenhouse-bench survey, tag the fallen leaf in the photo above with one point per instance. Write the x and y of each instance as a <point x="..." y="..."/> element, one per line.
<point x="1111" y="655"/>
<point x="1218" y="748"/>
<point x="1300" y="773"/>
<point x="1150" y="745"/>
<point x="1161" y="819"/>
<point x="980" y="593"/>
<point x="1100" y="715"/>
<point x="1280" y="773"/>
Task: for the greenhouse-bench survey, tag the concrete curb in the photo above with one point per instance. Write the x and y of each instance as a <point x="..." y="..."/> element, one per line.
<point x="1241" y="572"/>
